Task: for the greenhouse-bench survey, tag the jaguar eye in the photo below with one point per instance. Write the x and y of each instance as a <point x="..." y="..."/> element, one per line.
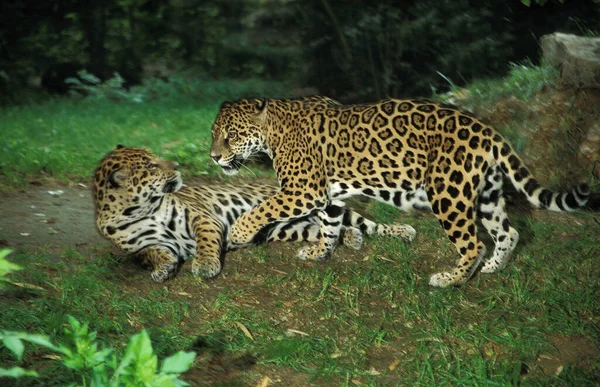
<point x="152" y="166"/>
<point x="231" y="135"/>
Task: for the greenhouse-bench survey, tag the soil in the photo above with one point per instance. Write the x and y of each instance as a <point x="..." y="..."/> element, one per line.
<point x="48" y="216"/>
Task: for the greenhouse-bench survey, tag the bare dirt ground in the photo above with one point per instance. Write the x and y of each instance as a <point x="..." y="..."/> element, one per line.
<point x="49" y="216"/>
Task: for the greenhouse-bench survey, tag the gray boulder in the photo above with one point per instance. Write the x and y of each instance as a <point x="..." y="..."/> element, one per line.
<point x="577" y="57"/>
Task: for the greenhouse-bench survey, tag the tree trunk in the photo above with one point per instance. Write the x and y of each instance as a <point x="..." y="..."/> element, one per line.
<point x="93" y="19"/>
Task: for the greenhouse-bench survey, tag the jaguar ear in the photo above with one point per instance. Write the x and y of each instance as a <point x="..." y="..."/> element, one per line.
<point x="120" y="146"/>
<point x="261" y="109"/>
<point x="117" y="178"/>
<point x="226" y="104"/>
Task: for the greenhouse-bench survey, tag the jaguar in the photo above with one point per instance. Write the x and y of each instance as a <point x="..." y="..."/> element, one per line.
<point x="143" y="208"/>
<point x="406" y="153"/>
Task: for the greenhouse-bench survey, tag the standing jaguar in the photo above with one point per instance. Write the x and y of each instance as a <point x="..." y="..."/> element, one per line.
<point x="408" y="153"/>
<point x="143" y="207"/>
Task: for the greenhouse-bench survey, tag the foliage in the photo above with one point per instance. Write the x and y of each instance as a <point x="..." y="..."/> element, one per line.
<point x="390" y="48"/>
<point x="350" y="50"/>
<point x="101" y="367"/>
<point x="543" y="2"/>
<point x="94" y="88"/>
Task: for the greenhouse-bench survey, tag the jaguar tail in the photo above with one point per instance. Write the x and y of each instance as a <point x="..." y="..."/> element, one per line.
<point x="537" y="195"/>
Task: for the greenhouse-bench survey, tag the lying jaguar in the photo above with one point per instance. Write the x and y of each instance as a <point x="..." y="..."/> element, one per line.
<point x="143" y="207"/>
<point x="408" y="153"/>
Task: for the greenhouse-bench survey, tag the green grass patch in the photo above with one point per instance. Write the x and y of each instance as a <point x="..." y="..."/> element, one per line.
<point x="64" y="138"/>
<point x="523" y="82"/>
<point x="368" y="318"/>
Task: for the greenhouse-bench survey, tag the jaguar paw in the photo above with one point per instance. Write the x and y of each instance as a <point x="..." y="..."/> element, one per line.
<point x="313" y="253"/>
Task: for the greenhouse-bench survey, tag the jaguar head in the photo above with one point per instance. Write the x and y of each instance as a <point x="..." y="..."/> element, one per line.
<point x="238" y="133"/>
<point x="131" y="180"/>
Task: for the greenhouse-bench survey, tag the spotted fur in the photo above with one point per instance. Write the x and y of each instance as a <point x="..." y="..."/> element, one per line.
<point x="143" y="207"/>
<point x="408" y="153"/>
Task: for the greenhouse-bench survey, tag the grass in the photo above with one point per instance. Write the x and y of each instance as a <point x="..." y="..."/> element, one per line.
<point x="523" y="81"/>
<point x="365" y="318"/>
<point x="65" y="138"/>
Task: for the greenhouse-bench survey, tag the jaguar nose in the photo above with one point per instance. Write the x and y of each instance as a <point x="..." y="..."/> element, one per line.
<point x="216" y="158"/>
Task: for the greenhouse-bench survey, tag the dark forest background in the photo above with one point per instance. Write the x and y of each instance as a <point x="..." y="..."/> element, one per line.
<point x="348" y="49"/>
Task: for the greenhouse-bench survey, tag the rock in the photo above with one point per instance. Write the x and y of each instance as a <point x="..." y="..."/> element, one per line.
<point x="577" y="57"/>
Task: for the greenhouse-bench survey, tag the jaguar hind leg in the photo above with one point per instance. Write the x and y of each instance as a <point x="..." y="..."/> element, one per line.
<point x="461" y="229"/>
<point x="404" y="231"/>
<point x="331" y="219"/>
<point x="471" y="254"/>
<point x="352" y="237"/>
<point x="495" y="220"/>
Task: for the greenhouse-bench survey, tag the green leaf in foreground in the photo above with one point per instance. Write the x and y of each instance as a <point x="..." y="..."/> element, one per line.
<point x="178" y="363"/>
<point x="138" y="366"/>
<point x="139" y="363"/>
<point x="16" y="372"/>
<point x="13" y="343"/>
<point x="6" y="267"/>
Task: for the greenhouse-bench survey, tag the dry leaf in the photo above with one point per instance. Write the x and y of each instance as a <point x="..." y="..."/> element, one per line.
<point x="27" y="286"/>
<point x="51" y="357"/>
<point x="245" y="330"/>
<point x="264" y="382"/>
<point x="559" y="370"/>
<point x="373" y="371"/>
<point x="291" y="332"/>
<point x="278" y="271"/>
<point x="394" y="365"/>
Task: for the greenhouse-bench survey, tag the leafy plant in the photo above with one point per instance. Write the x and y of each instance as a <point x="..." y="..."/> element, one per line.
<point x="101" y="366"/>
<point x="93" y="87"/>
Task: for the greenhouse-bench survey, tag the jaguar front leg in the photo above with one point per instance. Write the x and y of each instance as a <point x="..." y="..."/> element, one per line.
<point x="162" y="262"/>
<point x="209" y="245"/>
<point x="331" y="225"/>
<point x="283" y="206"/>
